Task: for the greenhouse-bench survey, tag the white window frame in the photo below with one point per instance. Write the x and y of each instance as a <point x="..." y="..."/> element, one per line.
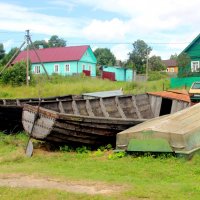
<point x="83" y="67"/>
<point x="56" y="71"/>
<point x="90" y="68"/>
<point x="37" y="69"/>
<point x="195" y="67"/>
<point x="67" y="68"/>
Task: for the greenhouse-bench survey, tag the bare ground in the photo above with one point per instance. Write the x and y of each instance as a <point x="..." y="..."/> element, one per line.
<point x="27" y="181"/>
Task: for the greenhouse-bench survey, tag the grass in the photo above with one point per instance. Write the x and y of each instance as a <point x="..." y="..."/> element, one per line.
<point x="145" y="177"/>
<point x="77" y="85"/>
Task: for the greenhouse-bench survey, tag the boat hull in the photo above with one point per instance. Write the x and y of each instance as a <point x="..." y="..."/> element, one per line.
<point x="73" y="129"/>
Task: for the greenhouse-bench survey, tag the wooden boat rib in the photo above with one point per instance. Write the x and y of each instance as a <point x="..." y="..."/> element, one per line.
<point x="89" y="122"/>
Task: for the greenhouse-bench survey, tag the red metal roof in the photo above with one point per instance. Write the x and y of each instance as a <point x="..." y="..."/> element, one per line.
<point x="169" y="63"/>
<point x="173" y="94"/>
<point x="56" y="54"/>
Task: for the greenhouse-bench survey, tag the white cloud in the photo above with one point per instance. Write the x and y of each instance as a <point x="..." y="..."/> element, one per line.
<point x="165" y="21"/>
<point x="114" y="29"/>
<point x="121" y="51"/>
<point x="16" y="18"/>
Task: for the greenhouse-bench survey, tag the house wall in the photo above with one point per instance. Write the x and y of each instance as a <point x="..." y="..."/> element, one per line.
<point x="183" y="82"/>
<point x="121" y="74"/>
<point x="129" y="75"/>
<point x="87" y="62"/>
<point x="172" y="69"/>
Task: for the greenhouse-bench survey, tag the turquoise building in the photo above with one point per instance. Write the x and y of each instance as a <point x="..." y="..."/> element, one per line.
<point x="118" y="73"/>
<point x="64" y="61"/>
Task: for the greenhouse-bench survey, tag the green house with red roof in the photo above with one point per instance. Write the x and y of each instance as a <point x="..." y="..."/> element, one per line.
<point x="64" y="61"/>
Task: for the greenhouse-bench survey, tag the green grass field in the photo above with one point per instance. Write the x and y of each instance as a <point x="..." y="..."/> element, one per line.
<point x="141" y="177"/>
<point x="77" y="85"/>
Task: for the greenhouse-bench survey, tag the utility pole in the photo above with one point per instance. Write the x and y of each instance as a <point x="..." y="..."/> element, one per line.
<point x="26" y="41"/>
<point x="147" y="66"/>
<point x="27" y="59"/>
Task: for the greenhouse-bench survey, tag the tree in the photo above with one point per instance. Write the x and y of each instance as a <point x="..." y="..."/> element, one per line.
<point x="155" y="63"/>
<point x="8" y="56"/>
<point x="104" y="57"/>
<point x="2" y="51"/>
<point x="174" y="57"/>
<point x="139" y="55"/>
<point x="55" y="41"/>
<point x="39" y="44"/>
<point x="183" y="61"/>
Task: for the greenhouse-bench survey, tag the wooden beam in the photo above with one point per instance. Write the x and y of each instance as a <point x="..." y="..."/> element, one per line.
<point x="103" y="108"/>
<point x="136" y="108"/>
<point x="75" y="108"/>
<point x="120" y="110"/>
<point x="60" y="106"/>
<point x="89" y="108"/>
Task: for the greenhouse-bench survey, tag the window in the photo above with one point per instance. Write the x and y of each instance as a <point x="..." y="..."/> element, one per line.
<point x="172" y="70"/>
<point x="90" y="68"/>
<point x="56" y="68"/>
<point x="37" y="69"/>
<point x="67" y="68"/>
<point x="83" y="67"/>
<point x="195" y="66"/>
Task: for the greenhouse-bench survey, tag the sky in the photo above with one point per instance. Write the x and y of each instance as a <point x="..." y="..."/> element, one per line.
<point x="168" y="26"/>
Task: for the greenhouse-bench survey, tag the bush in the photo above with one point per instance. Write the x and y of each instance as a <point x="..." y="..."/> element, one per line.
<point x="154" y="76"/>
<point x="16" y="75"/>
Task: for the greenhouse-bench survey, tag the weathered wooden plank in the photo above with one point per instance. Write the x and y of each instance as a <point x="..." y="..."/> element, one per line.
<point x="60" y="106"/>
<point x="136" y="108"/>
<point x="75" y="108"/>
<point x="121" y="112"/>
<point x="103" y="108"/>
<point x="89" y="108"/>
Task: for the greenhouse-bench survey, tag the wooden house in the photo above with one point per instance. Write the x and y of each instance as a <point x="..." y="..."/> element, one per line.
<point x="62" y="60"/>
<point x="193" y="50"/>
<point x="171" y="65"/>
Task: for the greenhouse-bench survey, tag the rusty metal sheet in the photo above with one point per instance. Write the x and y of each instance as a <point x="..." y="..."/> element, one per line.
<point x="181" y="95"/>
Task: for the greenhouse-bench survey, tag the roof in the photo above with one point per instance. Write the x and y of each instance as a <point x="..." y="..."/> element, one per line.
<point x="55" y="54"/>
<point x="181" y="95"/>
<point x="193" y="42"/>
<point x="169" y="62"/>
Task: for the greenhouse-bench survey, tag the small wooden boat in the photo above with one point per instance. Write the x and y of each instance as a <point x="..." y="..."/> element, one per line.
<point x="177" y="133"/>
<point x="89" y="122"/>
<point x="11" y="111"/>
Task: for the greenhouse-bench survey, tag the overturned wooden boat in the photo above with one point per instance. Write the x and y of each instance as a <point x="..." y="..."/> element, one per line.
<point x="89" y="122"/>
<point x="11" y="110"/>
<point x="178" y="133"/>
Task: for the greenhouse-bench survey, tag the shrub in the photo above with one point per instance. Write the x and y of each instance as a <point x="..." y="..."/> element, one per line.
<point x="16" y="75"/>
<point x="154" y="76"/>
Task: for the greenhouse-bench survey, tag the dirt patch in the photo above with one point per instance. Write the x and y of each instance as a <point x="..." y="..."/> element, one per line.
<point x="69" y="186"/>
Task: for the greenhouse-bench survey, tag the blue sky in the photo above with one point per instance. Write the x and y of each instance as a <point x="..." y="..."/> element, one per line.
<point x="168" y="26"/>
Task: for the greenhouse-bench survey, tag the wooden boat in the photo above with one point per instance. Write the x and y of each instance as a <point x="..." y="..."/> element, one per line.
<point x="88" y="122"/>
<point x="11" y="111"/>
<point x="178" y="133"/>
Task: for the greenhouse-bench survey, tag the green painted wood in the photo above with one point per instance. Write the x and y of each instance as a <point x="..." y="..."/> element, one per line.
<point x="149" y="145"/>
<point x="183" y="82"/>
